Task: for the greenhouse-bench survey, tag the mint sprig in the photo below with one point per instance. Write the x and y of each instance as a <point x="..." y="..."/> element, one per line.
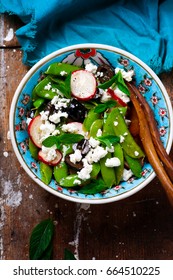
<point x="66" y="138"/>
<point x="108" y="140"/>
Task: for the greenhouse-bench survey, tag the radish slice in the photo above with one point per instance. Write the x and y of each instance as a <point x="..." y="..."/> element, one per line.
<point x="83" y="85"/>
<point x="73" y="127"/>
<point x="43" y="157"/>
<point x="34" y="130"/>
<point x="115" y="97"/>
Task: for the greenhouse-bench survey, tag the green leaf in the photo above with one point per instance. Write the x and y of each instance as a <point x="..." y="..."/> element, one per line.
<point x="68" y="255"/>
<point x="69" y="138"/>
<point x="50" y="141"/>
<point x="108" y="140"/>
<point x="108" y="83"/>
<point x="66" y="138"/>
<point x="96" y="186"/>
<point x="40" y="246"/>
<point x="100" y="108"/>
<point x="121" y="84"/>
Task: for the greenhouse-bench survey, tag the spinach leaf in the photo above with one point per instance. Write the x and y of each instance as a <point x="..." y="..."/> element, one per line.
<point x="121" y="84"/>
<point x="41" y="245"/>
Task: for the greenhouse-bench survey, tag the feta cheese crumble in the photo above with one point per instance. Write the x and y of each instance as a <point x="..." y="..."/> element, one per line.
<point x="127" y="75"/>
<point x="46" y="129"/>
<point x="76" y="156"/>
<point x="94" y="155"/>
<point x="56" y="118"/>
<point x="112" y="162"/>
<point x="121" y="95"/>
<point x="84" y="173"/>
<point x="63" y="73"/>
<point x="90" y="67"/>
<point x="136" y="153"/>
<point x="127" y="174"/>
<point x="50" y="153"/>
<point x="93" y="142"/>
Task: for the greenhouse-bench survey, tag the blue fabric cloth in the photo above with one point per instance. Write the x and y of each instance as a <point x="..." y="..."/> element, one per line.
<point x="143" y="27"/>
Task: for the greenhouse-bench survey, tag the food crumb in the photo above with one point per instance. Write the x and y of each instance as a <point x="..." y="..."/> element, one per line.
<point x="5" y="154"/>
<point x="134" y="214"/>
<point x="8" y="135"/>
<point x="30" y="196"/>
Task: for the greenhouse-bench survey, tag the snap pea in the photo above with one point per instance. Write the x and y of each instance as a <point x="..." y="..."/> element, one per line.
<point x="38" y="102"/>
<point x="91" y="117"/>
<point x="57" y="68"/>
<point x="40" y="91"/>
<point x="33" y="149"/>
<point x="108" y="127"/>
<point x="107" y="173"/>
<point x="60" y="171"/>
<point x="46" y="172"/>
<point x="97" y="124"/>
<point x="118" y="152"/>
<point x="70" y="181"/>
<point x="40" y="86"/>
<point x="134" y="165"/>
<point x="96" y="169"/>
<point x="120" y="129"/>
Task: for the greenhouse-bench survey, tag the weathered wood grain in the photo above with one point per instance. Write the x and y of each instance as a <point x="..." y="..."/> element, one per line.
<point x="139" y="227"/>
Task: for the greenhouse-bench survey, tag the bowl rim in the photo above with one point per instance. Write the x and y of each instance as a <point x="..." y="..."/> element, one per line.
<point x="45" y="60"/>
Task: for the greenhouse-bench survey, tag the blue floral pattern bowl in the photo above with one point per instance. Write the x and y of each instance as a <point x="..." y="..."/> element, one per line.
<point x="148" y="84"/>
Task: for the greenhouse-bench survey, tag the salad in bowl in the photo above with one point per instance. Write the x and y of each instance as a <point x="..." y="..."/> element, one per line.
<point x="83" y="138"/>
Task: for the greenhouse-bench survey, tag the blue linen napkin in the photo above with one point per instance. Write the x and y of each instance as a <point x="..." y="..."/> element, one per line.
<point x="143" y="27"/>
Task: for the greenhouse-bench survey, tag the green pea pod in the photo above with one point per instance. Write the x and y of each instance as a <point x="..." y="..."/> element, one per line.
<point x="70" y="181"/>
<point x="91" y="117"/>
<point x="108" y="173"/>
<point x="118" y="152"/>
<point x="134" y="165"/>
<point x="47" y="94"/>
<point x="96" y="169"/>
<point x="33" y="149"/>
<point x="97" y="124"/>
<point x="60" y="171"/>
<point x="57" y="69"/>
<point x="46" y="172"/>
<point x="38" y="102"/>
<point x="120" y="129"/>
<point x="39" y="87"/>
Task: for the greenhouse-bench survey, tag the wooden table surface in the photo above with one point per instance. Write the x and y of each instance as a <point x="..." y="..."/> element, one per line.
<point x="140" y="227"/>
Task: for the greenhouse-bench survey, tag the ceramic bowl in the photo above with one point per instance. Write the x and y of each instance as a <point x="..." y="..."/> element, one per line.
<point x="148" y="84"/>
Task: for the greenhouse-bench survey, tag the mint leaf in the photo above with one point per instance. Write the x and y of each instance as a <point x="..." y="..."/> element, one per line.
<point x="100" y="108"/>
<point x="96" y="186"/>
<point x="121" y="84"/>
<point x="108" y="83"/>
<point x="40" y="245"/>
<point x="68" y="255"/>
<point x="108" y="140"/>
<point x="66" y="138"/>
<point x="69" y="138"/>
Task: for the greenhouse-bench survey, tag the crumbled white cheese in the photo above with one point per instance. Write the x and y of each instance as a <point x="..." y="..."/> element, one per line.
<point x="99" y="132"/>
<point x="121" y="139"/>
<point x="55" y="132"/>
<point x="63" y="73"/>
<point x="125" y="133"/>
<point x="50" y="153"/>
<point x="44" y="115"/>
<point x="111" y="149"/>
<point x="84" y="173"/>
<point x="136" y="153"/>
<point x="115" y="123"/>
<point x="56" y="118"/>
<point x="112" y="162"/>
<point x="90" y="67"/>
<point x="77" y="182"/>
<point x="5" y="154"/>
<point x="46" y="129"/>
<point x="127" y="174"/>
<point x="93" y="142"/>
<point x="60" y="102"/>
<point x="94" y="155"/>
<point x="76" y="156"/>
<point x="73" y="127"/>
<point x="28" y="120"/>
<point x="48" y="86"/>
<point x="99" y="74"/>
<point x="127" y="75"/>
<point x="105" y="96"/>
<point x="121" y="95"/>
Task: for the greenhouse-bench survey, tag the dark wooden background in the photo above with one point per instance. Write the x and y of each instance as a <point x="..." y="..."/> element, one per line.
<point x="140" y="227"/>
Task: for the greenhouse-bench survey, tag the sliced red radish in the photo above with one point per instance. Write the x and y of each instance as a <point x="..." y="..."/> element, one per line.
<point x="115" y="97"/>
<point x="34" y="130"/>
<point x="43" y="157"/>
<point x="83" y="85"/>
<point x="73" y="127"/>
